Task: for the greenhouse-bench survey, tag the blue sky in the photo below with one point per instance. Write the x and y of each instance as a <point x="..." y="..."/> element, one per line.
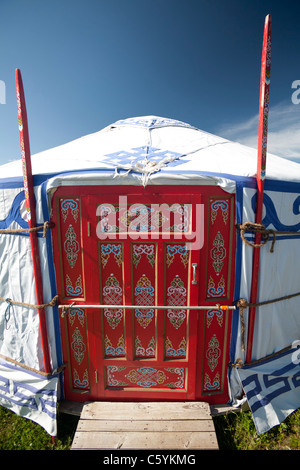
<point x="86" y="64"/>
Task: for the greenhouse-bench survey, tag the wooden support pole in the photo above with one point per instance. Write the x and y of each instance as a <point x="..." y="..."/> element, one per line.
<point x="261" y="171"/>
<point x="31" y="212"/>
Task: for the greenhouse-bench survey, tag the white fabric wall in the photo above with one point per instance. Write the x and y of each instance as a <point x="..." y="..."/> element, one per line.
<point x="26" y="393"/>
<point x="20" y="335"/>
<point x="277" y="325"/>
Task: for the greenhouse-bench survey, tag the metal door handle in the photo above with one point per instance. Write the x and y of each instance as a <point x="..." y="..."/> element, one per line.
<point x="194" y="266"/>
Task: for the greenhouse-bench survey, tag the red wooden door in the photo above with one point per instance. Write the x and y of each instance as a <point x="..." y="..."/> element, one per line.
<point x="134" y="247"/>
<point x="140" y="258"/>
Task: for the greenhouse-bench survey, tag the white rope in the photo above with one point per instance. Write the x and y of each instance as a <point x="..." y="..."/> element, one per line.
<point x="145" y="167"/>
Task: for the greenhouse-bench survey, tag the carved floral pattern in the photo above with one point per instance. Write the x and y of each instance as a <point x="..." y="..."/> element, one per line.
<point x="218" y="253"/>
<point x="213" y="353"/>
<point x="71" y="204"/>
<point x="71" y="246"/>
<point x="78" y="346"/>
<point x="111" y="248"/>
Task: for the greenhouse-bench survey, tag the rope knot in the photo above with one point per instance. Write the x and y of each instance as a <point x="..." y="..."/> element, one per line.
<point x="47" y="225"/>
<point x="242" y="303"/>
<point x="257" y="228"/>
<point x="53" y="302"/>
<point x="238" y="364"/>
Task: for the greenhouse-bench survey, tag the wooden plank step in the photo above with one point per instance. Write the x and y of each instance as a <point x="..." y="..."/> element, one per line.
<point x="99" y="425"/>
<point x="145" y="425"/>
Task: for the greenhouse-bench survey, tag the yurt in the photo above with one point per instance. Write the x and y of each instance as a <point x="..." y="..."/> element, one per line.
<point x="140" y="273"/>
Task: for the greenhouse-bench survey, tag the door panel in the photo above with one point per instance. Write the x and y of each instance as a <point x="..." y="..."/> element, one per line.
<point x="143" y="292"/>
<point x="143" y="350"/>
<point x="76" y="325"/>
<point x="110" y="257"/>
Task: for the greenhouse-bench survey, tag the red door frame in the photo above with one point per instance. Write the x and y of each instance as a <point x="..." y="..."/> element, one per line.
<point x="197" y="359"/>
<point x="221" y="396"/>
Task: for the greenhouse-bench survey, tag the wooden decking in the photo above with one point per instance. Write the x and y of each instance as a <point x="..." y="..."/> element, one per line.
<point x="158" y="425"/>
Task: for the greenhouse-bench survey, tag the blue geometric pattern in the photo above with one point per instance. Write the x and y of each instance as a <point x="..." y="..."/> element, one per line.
<point x="29" y="394"/>
<point x="271" y="217"/>
<point x="14" y="214"/>
<point x="139" y="154"/>
<point x="151" y="122"/>
<point x="272" y="388"/>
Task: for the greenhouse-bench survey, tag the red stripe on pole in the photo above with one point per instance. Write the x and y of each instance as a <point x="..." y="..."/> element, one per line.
<point x="31" y="214"/>
<point x="261" y="170"/>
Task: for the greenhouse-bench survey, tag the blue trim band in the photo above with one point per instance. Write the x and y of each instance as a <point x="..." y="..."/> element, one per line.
<point x="14" y="213"/>
<point x="52" y="277"/>
<point x="267" y="360"/>
<point x="274" y="185"/>
<point x="238" y="270"/>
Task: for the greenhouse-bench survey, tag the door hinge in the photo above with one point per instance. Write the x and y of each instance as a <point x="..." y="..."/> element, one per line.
<point x="89" y="229"/>
<point x="96" y="376"/>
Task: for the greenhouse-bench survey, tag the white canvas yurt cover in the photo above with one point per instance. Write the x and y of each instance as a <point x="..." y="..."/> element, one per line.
<point x="151" y="151"/>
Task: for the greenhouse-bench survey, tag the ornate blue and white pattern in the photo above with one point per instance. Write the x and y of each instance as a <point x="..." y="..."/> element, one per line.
<point x="80" y="314"/>
<point x="150" y="122"/>
<point x="146" y="376"/>
<point x="74" y="291"/>
<point x="72" y="204"/>
<point x="144" y="317"/>
<point x="271" y="216"/>
<point x="272" y="388"/>
<point x="140" y="154"/>
<point x="30" y="395"/>
<point x="210" y="315"/>
<point x="144" y="160"/>
<point x="71" y="246"/>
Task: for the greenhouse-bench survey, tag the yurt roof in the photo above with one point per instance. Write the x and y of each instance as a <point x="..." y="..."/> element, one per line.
<point x="149" y="146"/>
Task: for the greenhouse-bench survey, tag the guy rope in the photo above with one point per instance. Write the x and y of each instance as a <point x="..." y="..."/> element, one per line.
<point x="242" y="304"/>
<point x="46" y="225"/>
<point x="263" y="231"/>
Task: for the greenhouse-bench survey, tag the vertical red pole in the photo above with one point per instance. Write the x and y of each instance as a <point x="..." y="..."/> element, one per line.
<point x="31" y="214"/>
<point x="261" y="170"/>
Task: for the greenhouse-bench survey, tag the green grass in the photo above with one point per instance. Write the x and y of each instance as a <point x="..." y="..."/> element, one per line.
<point x="17" y="433"/>
<point x="235" y="431"/>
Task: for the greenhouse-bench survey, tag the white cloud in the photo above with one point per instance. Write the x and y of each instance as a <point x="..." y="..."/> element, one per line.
<point x="283" y="131"/>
